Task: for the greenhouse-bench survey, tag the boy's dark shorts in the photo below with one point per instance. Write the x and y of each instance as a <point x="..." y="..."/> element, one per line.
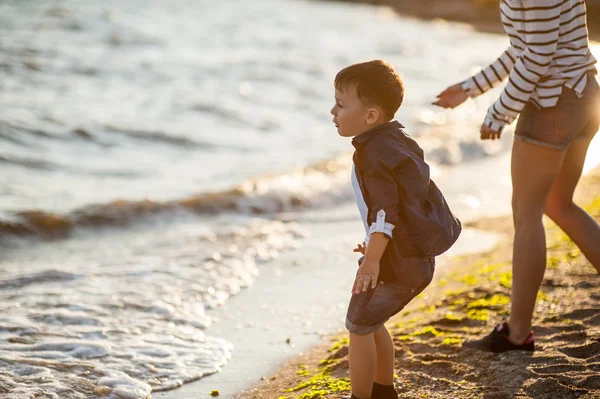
<point x="573" y="118"/>
<point x="370" y="310"/>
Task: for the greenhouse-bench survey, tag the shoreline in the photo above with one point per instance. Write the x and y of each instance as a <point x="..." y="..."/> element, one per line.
<point x="465" y="300"/>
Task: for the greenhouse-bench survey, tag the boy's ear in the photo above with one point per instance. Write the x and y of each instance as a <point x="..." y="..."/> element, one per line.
<point x="373" y="115"/>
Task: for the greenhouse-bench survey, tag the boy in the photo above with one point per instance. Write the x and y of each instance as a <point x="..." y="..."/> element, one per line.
<point x="406" y="219"/>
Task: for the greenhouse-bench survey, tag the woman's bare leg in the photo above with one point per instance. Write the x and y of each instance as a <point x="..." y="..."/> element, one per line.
<point x="574" y="221"/>
<point x="534" y="169"/>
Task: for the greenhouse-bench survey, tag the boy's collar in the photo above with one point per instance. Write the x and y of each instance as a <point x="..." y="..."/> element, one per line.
<point x="364" y="137"/>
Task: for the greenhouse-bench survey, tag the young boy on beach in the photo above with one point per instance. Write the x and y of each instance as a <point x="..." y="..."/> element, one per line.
<point x="406" y="218"/>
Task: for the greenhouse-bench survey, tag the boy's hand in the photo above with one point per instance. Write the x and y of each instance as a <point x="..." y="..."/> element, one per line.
<point x="452" y="97"/>
<point x="361" y="248"/>
<point x="367" y="276"/>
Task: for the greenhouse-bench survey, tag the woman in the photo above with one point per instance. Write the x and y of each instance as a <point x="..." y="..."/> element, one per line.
<point x="552" y="84"/>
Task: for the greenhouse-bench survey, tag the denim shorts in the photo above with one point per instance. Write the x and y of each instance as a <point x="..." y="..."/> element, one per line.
<point x="371" y="309"/>
<point x="571" y="119"/>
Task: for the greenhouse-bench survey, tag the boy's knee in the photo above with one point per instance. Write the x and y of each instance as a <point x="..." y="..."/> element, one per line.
<point x="360" y="335"/>
<point x="381" y="331"/>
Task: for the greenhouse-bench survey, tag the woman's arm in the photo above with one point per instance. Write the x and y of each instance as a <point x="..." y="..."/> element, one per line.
<point x="541" y="20"/>
<point x="493" y="75"/>
<point x="478" y="84"/>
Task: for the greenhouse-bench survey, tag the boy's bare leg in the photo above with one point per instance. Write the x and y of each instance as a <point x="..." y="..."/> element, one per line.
<point x="384" y="347"/>
<point x="362" y="362"/>
<point x="581" y="227"/>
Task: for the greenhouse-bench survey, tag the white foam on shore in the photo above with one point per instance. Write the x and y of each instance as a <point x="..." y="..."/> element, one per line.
<point x="125" y="313"/>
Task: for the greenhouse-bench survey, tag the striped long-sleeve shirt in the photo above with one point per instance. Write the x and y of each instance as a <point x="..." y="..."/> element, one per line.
<point x="548" y="50"/>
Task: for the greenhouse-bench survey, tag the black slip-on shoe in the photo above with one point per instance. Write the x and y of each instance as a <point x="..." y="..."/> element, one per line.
<point x="497" y="341"/>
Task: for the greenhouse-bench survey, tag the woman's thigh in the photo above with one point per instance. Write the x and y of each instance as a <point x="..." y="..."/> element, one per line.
<point x="534" y="169"/>
<point x="562" y="191"/>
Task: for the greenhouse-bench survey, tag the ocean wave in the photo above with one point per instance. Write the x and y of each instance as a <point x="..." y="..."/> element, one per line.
<point x="318" y="185"/>
<point x="15" y="133"/>
<point x="42" y="277"/>
<point x="29" y="162"/>
<point x="127" y="313"/>
<point x="160" y="137"/>
<point x="220" y="112"/>
<point x="22" y="134"/>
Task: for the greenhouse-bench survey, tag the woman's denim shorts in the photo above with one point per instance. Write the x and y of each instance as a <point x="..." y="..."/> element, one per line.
<point x="571" y="119"/>
<point x="371" y="309"/>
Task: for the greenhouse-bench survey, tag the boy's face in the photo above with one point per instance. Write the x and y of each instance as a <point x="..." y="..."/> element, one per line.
<point x="350" y="115"/>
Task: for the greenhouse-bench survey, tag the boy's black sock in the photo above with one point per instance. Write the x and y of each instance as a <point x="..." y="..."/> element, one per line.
<point x="383" y="391"/>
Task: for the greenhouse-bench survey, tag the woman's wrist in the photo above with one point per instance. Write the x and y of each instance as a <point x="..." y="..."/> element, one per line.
<point x="468" y="87"/>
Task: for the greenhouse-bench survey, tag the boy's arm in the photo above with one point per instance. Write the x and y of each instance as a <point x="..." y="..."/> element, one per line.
<point x="368" y="272"/>
<point x="376" y="247"/>
<point x="382" y="192"/>
<point x="383" y="201"/>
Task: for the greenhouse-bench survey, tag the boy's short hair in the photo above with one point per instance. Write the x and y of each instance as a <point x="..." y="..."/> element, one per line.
<point x="376" y="83"/>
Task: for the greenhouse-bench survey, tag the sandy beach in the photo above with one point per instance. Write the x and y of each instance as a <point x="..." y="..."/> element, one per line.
<point x="467" y="297"/>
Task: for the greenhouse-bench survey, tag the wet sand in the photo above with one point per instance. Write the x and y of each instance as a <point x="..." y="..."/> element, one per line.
<point x="468" y="297"/>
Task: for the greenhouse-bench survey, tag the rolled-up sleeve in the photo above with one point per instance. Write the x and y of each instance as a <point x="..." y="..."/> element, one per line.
<point x="382" y="198"/>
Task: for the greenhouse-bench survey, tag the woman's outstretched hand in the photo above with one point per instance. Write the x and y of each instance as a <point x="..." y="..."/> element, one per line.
<point x="452" y="97"/>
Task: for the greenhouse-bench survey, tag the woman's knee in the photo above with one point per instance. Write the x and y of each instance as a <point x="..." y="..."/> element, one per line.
<point x="526" y="212"/>
<point x="558" y="208"/>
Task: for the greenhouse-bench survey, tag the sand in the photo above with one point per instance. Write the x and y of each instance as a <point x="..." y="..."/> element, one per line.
<point x="468" y="297"/>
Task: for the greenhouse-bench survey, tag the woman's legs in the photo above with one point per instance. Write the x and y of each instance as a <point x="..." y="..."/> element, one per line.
<point x="574" y="221"/>
<point x="534" y="169"/>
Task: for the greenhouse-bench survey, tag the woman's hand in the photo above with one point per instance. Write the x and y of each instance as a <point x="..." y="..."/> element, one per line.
<point x="360" y="248"/>
<point x="367" y="276"/>
<point x="488" y="134"/>
<point x="452" y="97"/>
